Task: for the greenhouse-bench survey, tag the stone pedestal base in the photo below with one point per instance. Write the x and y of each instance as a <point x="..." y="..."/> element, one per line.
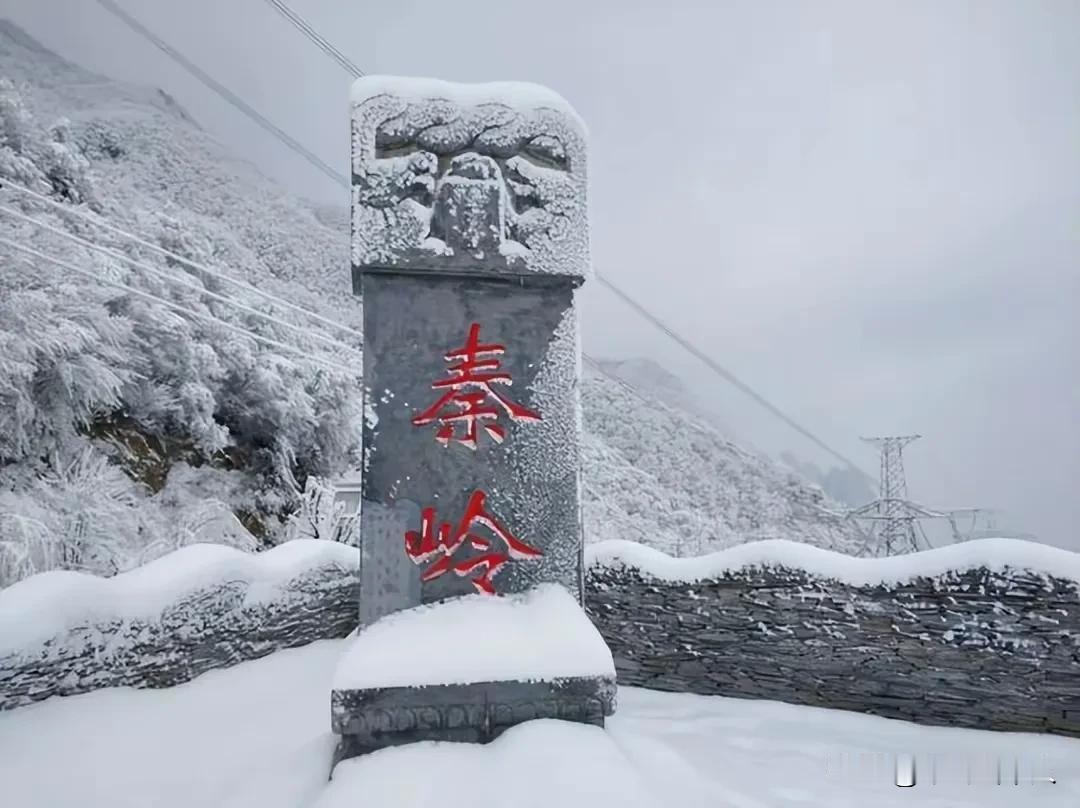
<point x="479" y="712"/>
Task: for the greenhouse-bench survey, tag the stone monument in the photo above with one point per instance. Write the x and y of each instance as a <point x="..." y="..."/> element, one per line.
<point x="469" y="241"/>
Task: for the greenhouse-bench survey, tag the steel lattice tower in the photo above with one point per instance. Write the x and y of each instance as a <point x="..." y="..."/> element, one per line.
<point x="896" y="519"/>
<point x="893" y="509"/>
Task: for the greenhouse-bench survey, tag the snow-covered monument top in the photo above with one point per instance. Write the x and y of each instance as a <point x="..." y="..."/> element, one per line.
<point x="485" y="178"/>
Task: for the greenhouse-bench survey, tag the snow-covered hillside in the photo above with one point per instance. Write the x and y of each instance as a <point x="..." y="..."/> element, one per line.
<point x="659" y="476"/>
<point x="659" y="473"/>
<point x="127" y="428"/>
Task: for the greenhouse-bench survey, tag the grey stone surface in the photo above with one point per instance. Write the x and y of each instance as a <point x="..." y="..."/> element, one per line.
<point x="213" y="628"/>
<point x="469" y="212"/>
<point x="475" y="713"/>
<point x="389" y="580"/>
<point x="973" y="649"/>
<point x="530" y="479"/>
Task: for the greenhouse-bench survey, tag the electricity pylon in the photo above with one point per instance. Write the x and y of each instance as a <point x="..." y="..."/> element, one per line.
<point x="893" y="516"/>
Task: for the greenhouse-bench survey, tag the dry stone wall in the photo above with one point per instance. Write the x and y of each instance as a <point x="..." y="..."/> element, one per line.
<point x="223" y="614"/>
<point x="988" y="646"/>
<point x="981" y="648"/>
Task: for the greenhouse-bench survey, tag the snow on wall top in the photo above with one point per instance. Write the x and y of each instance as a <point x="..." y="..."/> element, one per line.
<point x="997" y="555"/>
<point x="481" y="177"/>
<point x="43" y="606"/>
<point x="539" y="635"/>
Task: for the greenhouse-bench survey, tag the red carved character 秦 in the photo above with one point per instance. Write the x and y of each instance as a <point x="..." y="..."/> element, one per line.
<point x="469" y="400"/>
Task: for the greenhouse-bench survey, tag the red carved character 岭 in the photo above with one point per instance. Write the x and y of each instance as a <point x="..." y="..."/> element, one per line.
<point x="469" y="398"/>
<point x="445" y="540"/>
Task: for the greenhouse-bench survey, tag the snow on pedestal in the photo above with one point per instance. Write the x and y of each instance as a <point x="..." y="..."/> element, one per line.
<point x="541" y="635"/>
<point x="468" y="668"/>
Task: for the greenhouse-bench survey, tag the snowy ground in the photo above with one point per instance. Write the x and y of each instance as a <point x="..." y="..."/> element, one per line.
<point x="256" y="735"/>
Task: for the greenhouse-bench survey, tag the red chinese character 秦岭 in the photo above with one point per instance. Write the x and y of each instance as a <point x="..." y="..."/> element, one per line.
<point x="469" y="397"/>
<point x="444" y="541"/>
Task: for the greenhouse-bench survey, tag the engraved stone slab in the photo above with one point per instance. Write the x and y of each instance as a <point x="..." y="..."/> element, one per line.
<point x="469" y="240"/>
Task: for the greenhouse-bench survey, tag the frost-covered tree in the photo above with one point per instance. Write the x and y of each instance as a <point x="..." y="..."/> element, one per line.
<point x="16" y="126"/>
<point x="81" y="515"/>
<point x="63" y="358"/>
<point x="321" y="515"/>
<point x="65" y="166"/>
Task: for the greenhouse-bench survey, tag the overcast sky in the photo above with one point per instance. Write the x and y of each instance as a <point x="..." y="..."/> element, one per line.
<point x="870" y="211"/>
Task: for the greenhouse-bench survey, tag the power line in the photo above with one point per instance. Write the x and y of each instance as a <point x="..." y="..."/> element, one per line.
<point x="319" y="41"/>
<point x="301" y="24"/>
<point x="728" y="376"/>
<point x="221" y="90"/>
<point x="23" y="248"/>
<point x="99" y="222"/>
<point x="202" y="290"/>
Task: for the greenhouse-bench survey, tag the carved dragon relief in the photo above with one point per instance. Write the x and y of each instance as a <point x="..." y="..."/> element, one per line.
<point x="435" y="184"/>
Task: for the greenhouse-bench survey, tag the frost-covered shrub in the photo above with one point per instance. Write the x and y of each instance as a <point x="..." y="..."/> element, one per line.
<point x="29" y="155"/>
<point x="81" y="515"/>
<point x="15" y="136"/>
<point x="88" y="515"/>
<point x="15" y="120"/>
<point x="321" y="515"/>
<point x="63" y="357"/>
<point x="65" y="166"/>
<point x="26" y="546"/>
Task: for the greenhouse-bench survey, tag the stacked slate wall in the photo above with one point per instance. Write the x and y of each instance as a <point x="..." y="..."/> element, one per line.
<point x="975" y="648"/>
<point x="67" y="633"/>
